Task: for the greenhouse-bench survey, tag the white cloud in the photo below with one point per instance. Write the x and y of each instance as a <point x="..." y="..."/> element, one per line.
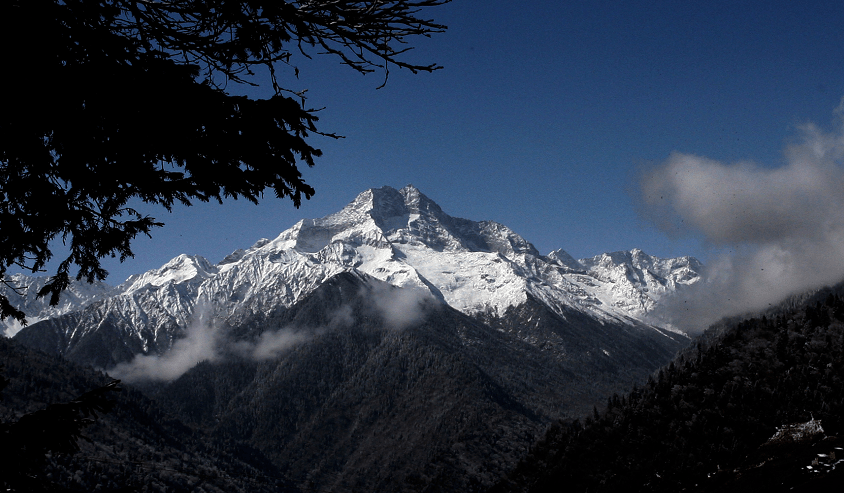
<point x="399" y="307"/>
<point x="271" y="343"/>
<point x="199" y="344"/>
<point x="782" y="228"/>
<point x="205" y="340"/>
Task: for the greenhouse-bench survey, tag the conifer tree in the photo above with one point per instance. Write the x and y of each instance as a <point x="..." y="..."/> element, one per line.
<point x="106" y="101"/>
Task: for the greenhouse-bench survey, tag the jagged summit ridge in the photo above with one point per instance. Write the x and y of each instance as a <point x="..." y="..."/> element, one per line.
<point x="637" y="280"/>
<point x="385" y="215"/>
<point x="404" y="238"/>
<point x="182" y="269"/>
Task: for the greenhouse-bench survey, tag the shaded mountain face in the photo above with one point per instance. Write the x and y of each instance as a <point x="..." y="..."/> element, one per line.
<point x="388" y="346"/>
<point x="22" y="290"/>
<point x="444" y="403"/>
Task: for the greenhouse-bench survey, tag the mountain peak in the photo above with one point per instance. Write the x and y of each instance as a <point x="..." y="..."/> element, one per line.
<point x="417" y="201"/>
<point x="184" y="268"/>
<point x="404" y="238"/>
<point x="566" y="260"/>
<point x="391" y="208"/>
<point x="384" y="201"/>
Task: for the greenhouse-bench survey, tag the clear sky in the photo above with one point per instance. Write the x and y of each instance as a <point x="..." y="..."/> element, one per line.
<point x="545" y="113"/>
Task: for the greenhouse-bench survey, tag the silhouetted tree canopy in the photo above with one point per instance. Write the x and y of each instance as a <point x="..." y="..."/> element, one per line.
<point x="112" y="100"/>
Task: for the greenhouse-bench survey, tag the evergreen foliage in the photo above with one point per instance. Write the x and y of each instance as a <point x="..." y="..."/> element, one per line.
<point x="55" y="429"/>
<point x="134" y="447"/>
<point x="453" y="401"/>
<point x="704" y="423"/>
<point x="447" y="404"/>
<point x="110" y="101"/>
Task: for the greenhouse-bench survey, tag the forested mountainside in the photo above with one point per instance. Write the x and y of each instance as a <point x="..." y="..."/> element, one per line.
<point x="133" y="447"/>
<point x="448" y="403"/>
<point x="416" y="396"/>
<point x="755" y="405"/>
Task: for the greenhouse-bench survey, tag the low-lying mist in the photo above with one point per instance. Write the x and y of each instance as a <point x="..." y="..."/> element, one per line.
<point x="780" y="230"/>
<point x="206" y="338"/>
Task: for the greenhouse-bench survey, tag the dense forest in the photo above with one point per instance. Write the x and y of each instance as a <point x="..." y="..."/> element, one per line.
<point x="135" y="446"/>
<point x="754" y="405"/>
<point x="448" y="404"/>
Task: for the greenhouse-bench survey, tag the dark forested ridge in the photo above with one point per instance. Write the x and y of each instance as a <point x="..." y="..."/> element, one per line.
<point x="134" y="447"/>
<point x="707" y="421"/>
<point x="448" y="404"/>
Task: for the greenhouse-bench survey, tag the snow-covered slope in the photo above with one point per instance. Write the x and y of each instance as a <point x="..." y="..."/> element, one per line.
<point x="405" y="239"/>
<point x="634" y="281"/>
<point x="21" y="290"/>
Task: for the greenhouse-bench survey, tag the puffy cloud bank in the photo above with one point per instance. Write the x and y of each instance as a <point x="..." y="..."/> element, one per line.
<point x="783" y="227"/>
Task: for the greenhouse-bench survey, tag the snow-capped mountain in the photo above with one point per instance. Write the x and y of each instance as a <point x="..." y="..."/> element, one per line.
<point x="386" y="329"/>
<point x="403" y="238"/>
<point x="634" y="281"/>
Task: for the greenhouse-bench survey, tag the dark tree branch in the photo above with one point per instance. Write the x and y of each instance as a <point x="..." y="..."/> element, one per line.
<point x="114" y="100"/>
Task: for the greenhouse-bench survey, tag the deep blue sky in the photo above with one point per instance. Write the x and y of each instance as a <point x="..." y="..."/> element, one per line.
<point x="543" y="115"/>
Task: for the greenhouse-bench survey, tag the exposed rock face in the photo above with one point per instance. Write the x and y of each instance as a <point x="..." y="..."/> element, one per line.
<point x="22" y="290"/>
